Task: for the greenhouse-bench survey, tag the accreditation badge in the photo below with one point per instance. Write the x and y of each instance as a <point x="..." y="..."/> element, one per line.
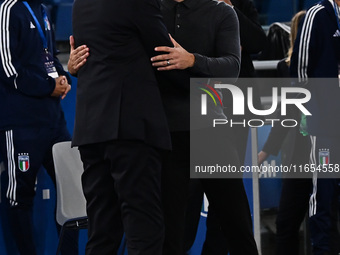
<point x="49" y="65"/>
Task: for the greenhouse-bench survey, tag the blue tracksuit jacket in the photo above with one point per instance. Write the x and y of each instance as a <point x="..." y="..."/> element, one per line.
<point x="25" y="87"/>
<point x="317" y="55"/>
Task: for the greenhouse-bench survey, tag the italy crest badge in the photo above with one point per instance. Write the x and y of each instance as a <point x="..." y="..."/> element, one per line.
<point x="23" y="162"/>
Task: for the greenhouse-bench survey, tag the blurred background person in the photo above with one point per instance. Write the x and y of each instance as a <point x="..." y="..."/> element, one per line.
<point x="52" y="6"/>
<point x="316" y="54"/>
<point x="295" y="192"/>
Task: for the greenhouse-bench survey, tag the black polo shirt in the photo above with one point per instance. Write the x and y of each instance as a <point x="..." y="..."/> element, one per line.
<point x="208" y="29"/>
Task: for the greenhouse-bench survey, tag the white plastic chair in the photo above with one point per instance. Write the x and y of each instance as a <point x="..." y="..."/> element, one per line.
<point x="71" y="203"/>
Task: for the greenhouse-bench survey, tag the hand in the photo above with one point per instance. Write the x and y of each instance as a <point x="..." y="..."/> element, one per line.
<point x="68" y="89"/>
<point x="176" y="58"/>
<point x="262" y="156"/>
<point x="77" y="58"/>
<point x="227" y="2"/>
<point x="61" y="87"/>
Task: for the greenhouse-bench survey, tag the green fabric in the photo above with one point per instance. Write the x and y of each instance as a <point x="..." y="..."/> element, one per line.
<point x="303" y="125"/>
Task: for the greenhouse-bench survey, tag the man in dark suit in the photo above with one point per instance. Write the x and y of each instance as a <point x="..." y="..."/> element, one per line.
<point x="120" y="126"/>
<point x="217" y="56"/>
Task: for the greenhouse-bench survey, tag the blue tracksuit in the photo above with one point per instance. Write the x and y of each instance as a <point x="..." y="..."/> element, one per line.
<point x="317" y="55"/>
<point x="31" y="120"/>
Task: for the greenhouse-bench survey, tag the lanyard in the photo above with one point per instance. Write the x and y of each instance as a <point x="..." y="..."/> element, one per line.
<point x="336" y="11"/>
<point x="41" y="33"/>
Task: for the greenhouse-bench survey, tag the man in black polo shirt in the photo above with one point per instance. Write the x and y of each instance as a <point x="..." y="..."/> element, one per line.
<point x="207" y="44"/>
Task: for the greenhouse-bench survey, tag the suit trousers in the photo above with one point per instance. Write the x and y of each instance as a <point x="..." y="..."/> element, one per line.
<point x="175" y="180"/>
<point x="122" y="185"/>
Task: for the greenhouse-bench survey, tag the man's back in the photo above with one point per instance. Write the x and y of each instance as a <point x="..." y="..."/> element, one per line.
<point x="117" y="90"/>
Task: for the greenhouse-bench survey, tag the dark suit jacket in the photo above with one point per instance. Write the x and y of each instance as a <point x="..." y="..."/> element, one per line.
<point x="117" y="94"/>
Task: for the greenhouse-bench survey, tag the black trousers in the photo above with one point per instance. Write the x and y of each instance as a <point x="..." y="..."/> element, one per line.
<point x="215" y="241"/>
<point x="227" y="196"/>
<point x="175" y="179"/>
<point x="228" y="199"/>
<point x="294" y="201"/>
<point x="292" y="210"/>
<point x="121" y="183"/>
<point x="237" y="236"/>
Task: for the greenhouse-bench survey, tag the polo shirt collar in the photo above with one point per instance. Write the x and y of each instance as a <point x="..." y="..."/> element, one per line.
<point x="190" y="4"/>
